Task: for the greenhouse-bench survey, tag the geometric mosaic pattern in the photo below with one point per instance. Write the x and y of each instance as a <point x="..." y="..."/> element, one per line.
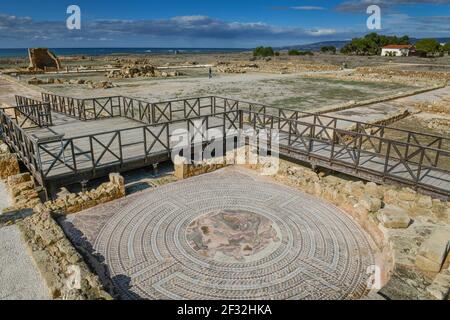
<point x="298" y="247"/>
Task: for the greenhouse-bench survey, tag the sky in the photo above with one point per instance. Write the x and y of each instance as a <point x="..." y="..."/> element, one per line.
<point x="212" y="23"/>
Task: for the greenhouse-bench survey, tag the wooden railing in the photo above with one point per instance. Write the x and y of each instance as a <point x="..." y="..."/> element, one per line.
<point x="89" y="153"/>
<point x="413" y="158"/>
<point x="411" y="163"/>
<point x="37" y="112"/>
<point x="19" y="141"/>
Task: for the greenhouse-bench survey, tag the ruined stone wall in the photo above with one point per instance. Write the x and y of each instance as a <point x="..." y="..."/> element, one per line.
<point x="74" y="202"/>
<point x="42" y="59"/>
<point x="8" y="162"/>
<point x="57" y="259"/>
<point x="22" y="190"/>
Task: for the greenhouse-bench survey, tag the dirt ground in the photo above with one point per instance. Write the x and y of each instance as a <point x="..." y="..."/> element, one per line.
<point x="288" y="90"/>
<point x="304" y="83"/>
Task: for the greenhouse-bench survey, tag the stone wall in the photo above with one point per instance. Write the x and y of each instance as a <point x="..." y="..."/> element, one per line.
<point x="8" y="162"/>
<point x="42" y="59"/>
<point x="184" y="170"/>
<point x="74" y="202"/>
<point x="57" y="260"/>
<point x="22" y="190"/>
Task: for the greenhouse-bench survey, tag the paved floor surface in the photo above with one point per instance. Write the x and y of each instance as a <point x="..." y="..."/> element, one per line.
<point x="19" y="277"/>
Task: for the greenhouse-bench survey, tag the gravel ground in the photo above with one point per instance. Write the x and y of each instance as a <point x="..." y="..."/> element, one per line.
<point x="19" y="277"/>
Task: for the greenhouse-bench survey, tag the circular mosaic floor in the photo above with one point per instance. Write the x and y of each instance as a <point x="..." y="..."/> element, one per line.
<point x="233" y="235"/>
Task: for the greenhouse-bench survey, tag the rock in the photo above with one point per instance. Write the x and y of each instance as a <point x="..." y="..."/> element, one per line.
<point x="407" y="194"/>
<point x="370" y="203"/>
<point x="35" y="81"/>
<point x="440" y="288"/>
<point x="424" y="202"/>
<point x="433" y="251"/>
<point x="393" y="217"/>
<point x="372" y="189"/>
<point x="390" y="196"/>
<point x="4" y="148"/>
<point x="9" y="165"/>
<point x="18" y="178"/>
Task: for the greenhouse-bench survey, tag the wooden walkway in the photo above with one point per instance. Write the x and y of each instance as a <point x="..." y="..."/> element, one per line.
<point x="84" y="139"/>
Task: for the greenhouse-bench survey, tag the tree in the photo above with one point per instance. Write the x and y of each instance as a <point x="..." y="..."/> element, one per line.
<point x="372" y="43"/>
<point x="263" y="52"/>
<point x="446" y="47"/>
<point x="428" y="46"/>
<point x="328" y="49"/>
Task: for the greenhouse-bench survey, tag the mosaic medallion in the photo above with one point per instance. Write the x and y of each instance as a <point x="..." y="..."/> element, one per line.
<point x="233" y="234"/>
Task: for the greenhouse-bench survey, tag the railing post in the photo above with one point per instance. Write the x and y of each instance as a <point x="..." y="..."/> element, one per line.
<point x="419" y="168"/>
<point x="312" y="134"/>
<point x="386" y="162"/>
<point x="436" y="160"/>
<point x="241" y="119"/>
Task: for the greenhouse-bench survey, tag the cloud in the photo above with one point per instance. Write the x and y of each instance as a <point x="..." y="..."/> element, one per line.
<point x="361" y="5"/>
<point x="400" y="23"/>
<point x="299" y="8"/>
<point x="184" y="29"/>
<point x="322" y="32"/>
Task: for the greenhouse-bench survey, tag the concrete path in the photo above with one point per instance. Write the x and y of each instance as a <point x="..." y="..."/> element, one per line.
<point x="19" y="277"/>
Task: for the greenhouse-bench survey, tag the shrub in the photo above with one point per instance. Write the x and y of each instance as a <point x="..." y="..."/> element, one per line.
<point x="295" y="52"/>
<point x="263" y="52"/>
<point x="328" y="49"/>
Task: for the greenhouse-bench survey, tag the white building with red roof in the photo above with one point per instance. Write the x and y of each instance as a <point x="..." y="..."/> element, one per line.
<point x="397" y="50"/>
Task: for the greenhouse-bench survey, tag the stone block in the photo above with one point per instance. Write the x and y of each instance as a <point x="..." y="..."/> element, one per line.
<point x="18" y="178"/>
<point x="393" y="217"/>
<point x="433" y="251"/>
<point x="440" y="287"/>
<point x="9" y="165"/>
<point x="407" y="194"/>
<point x="371" y="204"/>
<point x="424" y="202"/>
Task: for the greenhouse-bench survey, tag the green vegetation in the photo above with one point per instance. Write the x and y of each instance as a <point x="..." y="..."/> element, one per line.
<point x="428" y="46"/>
<point x="294" y="52"/>
<point x="371" y="44"/>
<point x="328" y="49"/>
<point x="446" y="47"/>
<point x="263" y="52"/>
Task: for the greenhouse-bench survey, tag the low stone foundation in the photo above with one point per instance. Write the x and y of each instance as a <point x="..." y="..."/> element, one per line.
<point x="74" y="202"/>
<point x="8" y="162"/>
<point x="22" y="190"/>
<point x="58" y="261"/>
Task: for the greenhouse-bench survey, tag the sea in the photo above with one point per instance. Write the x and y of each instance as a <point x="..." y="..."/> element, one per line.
<point x="23" y="52"/>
